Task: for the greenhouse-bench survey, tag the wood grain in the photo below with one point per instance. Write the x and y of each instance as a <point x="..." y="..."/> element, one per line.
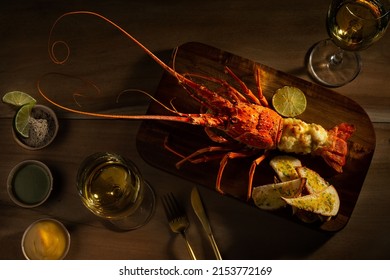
<point x="278" y="34"/>
<point x="325" y="107"/>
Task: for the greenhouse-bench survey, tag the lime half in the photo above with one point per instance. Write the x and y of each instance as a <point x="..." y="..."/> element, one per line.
<point x="289" y="101"/>
<point x="18" y="98"/>
<point x="22" y="119"/>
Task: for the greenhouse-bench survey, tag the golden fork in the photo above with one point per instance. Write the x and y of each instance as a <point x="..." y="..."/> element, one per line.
<point x="177" y="219"/>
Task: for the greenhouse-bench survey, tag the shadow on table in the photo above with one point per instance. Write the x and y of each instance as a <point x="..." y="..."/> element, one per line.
<point x="256" y="234"/>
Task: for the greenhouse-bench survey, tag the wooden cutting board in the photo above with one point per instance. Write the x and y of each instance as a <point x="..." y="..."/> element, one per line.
<point x="324" y="107"/>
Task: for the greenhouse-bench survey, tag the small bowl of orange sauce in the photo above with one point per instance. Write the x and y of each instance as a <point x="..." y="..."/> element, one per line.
<point x="46" y="239"/>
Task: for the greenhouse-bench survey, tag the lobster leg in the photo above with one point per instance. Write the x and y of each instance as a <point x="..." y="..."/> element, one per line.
<point x="223" y="163"/>
<point x="198" y="156"/>
<point x="215" y="137"/>
<point x="252" y="170"/>
<point x="243" y="86"/>
<point x="261" y="97"/>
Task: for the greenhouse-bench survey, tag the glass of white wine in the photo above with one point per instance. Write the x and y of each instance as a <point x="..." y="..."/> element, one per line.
<point x="353" y="25"/>
<point x="112" y="188"/>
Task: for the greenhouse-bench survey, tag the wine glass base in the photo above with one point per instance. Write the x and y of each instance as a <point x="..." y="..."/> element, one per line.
<point x="326" y="71"/>
<point x="142" y="215"/>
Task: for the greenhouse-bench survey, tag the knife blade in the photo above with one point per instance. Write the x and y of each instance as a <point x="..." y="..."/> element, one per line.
<point x="198" y="207"/>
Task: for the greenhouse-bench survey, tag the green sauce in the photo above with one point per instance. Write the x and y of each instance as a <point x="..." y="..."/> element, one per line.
<point x="31" y="184"/>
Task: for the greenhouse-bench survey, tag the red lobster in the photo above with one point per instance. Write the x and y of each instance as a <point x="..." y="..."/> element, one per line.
<point x="240" y="115"/>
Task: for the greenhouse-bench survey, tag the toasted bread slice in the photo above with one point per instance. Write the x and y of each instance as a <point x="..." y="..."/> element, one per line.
<point x="269" y="197"/>
<point x="285" y="166"/>
<point x="314" y="182"/>
<point x="326" y="202"/>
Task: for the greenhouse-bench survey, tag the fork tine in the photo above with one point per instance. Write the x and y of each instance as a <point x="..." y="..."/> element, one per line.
<point x="167" y="207"/>
<point x="176" y="206"/>
<point x="177" y="219"/>
<point x="172" y="207"/>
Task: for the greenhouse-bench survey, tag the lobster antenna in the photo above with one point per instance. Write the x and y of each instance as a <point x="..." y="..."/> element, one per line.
<point x="51" y="47"/>
<point x="152" y="98"/>
<point x="56" y="60"/>
<point x="181" y="79"/>
<point x="182" y="117"/>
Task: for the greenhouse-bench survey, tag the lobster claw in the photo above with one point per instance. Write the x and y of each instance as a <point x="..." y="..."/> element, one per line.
<point x="336" y="150"/>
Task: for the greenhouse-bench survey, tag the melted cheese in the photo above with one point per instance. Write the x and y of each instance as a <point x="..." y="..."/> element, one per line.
<point x="300" y="137"/>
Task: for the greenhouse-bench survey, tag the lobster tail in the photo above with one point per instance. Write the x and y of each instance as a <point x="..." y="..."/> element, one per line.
<point x="336" y="150"/>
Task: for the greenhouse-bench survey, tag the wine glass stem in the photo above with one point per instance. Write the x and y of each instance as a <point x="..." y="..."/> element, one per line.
<point x="337" y="58"/>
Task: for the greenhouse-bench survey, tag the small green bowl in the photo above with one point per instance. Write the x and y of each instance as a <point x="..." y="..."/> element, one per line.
<point x="29" y="183"/>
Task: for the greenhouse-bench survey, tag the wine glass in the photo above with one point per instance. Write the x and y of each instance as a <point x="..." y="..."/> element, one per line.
<point x="353" y="25"/>
<point x="112" y="188"/>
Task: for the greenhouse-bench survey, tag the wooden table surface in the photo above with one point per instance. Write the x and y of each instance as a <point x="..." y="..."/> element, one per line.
<point x="277" y="34"/>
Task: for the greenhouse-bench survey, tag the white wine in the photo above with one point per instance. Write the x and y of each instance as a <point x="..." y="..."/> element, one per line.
<point x="355" y="25"/>
<point x="109" y="187"/>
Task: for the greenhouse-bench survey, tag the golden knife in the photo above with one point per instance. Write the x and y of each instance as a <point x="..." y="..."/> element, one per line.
<point x="197" y="205"/>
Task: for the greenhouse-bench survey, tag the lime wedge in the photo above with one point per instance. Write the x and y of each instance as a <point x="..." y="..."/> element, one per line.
<point x="22" y="119"/>
<point x="18" y="98"/>
<point x="289" y="101"/>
